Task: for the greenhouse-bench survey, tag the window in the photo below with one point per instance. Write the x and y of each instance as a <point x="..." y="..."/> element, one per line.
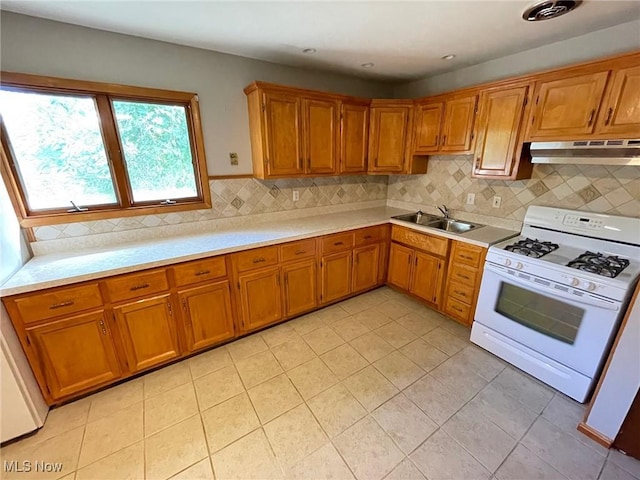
<point x="83" y="151"/>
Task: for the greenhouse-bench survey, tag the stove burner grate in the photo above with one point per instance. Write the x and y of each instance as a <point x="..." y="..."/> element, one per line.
<point x="599" y="264"/>
<point x="532" y="248"/>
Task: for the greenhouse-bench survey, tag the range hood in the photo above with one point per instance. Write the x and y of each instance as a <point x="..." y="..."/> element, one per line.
<point x="587" y="152"/>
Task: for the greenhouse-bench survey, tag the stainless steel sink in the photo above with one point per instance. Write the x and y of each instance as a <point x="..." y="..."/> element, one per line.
<point x="439" y="223"/>
<point x="453" y="226"/>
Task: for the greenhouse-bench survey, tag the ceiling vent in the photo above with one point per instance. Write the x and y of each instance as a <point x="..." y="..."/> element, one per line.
<point x="549" y="9"/>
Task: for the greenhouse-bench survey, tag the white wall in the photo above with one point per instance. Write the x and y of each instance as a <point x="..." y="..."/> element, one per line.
<point x="621" y="381"/>
<point x="13" y="248"/>
<point x="601" y="43"/>
<point x="44" y="47"/>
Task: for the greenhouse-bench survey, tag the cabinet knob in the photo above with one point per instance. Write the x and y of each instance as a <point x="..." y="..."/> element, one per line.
<point x="102" y="327"/>
<point x="478" y="163"/>
<point x="609" y="113"/>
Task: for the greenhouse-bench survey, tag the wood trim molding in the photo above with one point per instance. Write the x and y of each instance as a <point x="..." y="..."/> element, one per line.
<point x="226" y="177"/>
<point x="594" y="435"/>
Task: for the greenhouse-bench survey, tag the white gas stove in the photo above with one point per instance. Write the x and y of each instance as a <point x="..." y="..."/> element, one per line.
<point x="551" y="300"/>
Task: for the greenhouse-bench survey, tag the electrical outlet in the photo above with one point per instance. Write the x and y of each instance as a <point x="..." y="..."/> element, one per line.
<point x="296" y="195"/>
<point x="471" y="198"/>
<point x="497" y="201"/>
<point x="233" y="156"/>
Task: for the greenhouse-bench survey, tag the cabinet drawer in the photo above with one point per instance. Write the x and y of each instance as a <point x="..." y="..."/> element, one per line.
<point x="199" y="271"/>
<point x="337" y="242"/>
<point x="256" y="258"/>
<point x="370" y="235"/>
<point x="58" y="302"/>
<point x="467" y="254"/>
<point x="463" y="274"/>
<point x="458" y="310"/>
<point x="298" y="250"/>
<point x="461" y="292"/>
<point x="136" y="285"/>
<point x="429" y="243"/>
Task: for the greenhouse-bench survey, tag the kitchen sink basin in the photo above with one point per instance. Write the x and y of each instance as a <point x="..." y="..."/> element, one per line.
<point x="432" y="221"/>
<point x="453" y="226"/>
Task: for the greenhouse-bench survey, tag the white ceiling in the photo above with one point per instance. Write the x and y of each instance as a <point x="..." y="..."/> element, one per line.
<point x="404" y="40"/>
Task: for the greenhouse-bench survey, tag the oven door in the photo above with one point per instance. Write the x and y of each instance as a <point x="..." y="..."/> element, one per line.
<point x="569" y="326"/>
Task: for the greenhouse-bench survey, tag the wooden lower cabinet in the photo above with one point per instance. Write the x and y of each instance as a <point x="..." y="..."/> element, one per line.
<point x="426" y="279"/>
<point x="463" y="281"/>
<point x="148" y="332"/>
<point x="260" y="298"/>
<point x="207" y="315"/>
<point x="76" y="353"/>
<point x="335" y="274"/>
<point x="366" y="263"/>
<point x="300" y="287"/>
<point x="400" y="260"/>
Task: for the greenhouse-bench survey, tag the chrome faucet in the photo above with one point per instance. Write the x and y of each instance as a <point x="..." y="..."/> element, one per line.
<point x="445" y="211"/>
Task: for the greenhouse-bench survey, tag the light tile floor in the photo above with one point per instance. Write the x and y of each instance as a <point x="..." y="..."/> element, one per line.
<point x="375" y="387"/>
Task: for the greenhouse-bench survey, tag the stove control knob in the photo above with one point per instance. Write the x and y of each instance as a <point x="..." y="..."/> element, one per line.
<point x="519" y="266"/>
<point x="507" y="262"/>
<point x="592" y="286"/>
<point x="575" y="282"/>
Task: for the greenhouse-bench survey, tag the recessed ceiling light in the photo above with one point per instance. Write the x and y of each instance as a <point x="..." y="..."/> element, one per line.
<point x="450" y="56"/>
<point x="309" y="51"/>
<point x="367" y="65"/>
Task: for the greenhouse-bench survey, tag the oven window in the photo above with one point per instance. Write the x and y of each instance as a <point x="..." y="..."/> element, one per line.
<point x="548" y="316"/>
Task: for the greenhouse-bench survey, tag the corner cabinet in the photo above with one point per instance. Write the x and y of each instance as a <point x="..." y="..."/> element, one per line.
<point x="500" y="152"/>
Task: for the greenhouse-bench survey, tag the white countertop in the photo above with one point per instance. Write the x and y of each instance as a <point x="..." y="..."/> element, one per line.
<point x="46" y="271"/>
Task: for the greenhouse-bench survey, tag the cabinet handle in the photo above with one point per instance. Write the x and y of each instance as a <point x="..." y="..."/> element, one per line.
<point x="463" y="276"/>
<point x="456" y="309"/>
<point x="462" y="294"/>
<point x="409" y="259"/>
<point x="444" y="139"/>
<point x="609" y="113"/>
<point x="202" y="272"/>
<point x="61" y="304"/>
<point x="466" y="257"/>
<point x="478" y="163"/>
<point x="170" y="309"/>
<point x="436" y="142"/>
<point x="338" y="243"/>
<point x="286" y="279"/>
<point x="309" y="163"/>
<point x="593" y="112"/>
<point x="102" y="327"/>
<point x="367" y="237"/>
<point x="259" y="260"/>
<point x="139" y="287"/>
<point x="300" y="252"/>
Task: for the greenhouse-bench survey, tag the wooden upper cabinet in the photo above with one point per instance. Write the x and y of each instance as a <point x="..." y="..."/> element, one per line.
<point x="388" y="133"/>
<point x="620" y="112"/>
<point x="566" y="108"/>
<point x="354" y="141"/>
<point x="499" y="134"/>
<point x="321" y="129"/>
<point x="207" y="314"/>
<point x="76" y="353"/>
<point x="148" y="332"/>
<point x="457" y="126"/>
<point x="428" y="122"/>
<point x="283" y="134"/>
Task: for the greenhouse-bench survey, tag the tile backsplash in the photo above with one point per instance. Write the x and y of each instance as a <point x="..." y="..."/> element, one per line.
<point x="612" y="189"/>
<point x="238" y="197"/>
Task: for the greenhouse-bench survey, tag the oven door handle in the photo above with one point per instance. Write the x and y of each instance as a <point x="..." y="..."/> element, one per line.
<point x="587" y="299"/>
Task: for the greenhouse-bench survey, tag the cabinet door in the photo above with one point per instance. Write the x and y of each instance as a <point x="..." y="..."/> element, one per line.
<point x="499" y="126"/>
<point x="76" y="353"/>
<point x="620" y="115"/>
<point x="427" y="277"/>
<point x="321" y="135"/>
<point x="428" y="122"/>
<point x="400" y="260"/>
<point x="567" y="107"/>
<point x="260" y="298"/>
<point x="207" y="314"/>
<point x="354" y="138"/>
<point x="388" y="138"/>
<point x="335" y="271"/>
<point x="283" y="134"/>
<point x="457" y="129"/>
<point x="300" y="287"/>
<point x="148" y="332"/>
<point x="365" y="267"/>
